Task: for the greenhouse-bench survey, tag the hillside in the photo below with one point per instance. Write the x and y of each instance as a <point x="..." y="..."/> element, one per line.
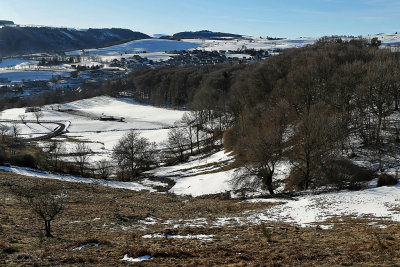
<point x="301" y="125"/>
<point x="25" y="40"/>
<point x="109" y="226"/>
<point x="138" y="46"/>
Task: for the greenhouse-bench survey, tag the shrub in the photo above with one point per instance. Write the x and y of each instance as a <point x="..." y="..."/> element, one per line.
<point x="24" y="160"/>
<point x="342" y="173"/>
<point x="387" y="180"/>
<point x="295" y="181"/>
<point x="3" y="156"/>
<point x="338" y="173"/>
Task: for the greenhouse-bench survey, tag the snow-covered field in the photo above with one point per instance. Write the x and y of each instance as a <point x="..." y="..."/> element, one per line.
<point x="257" y="43"/>
<point x="151" y="122"/>
<point x="387" y="39"/>
<point x="254" y="43"/>
<point x="32" y="129"/>
<point x="161" y="46"/>
<point x="17" y="63"/>
<point x="31" y="75"/>
<point x="379" y="203"/>
<point x="146" y="45"/>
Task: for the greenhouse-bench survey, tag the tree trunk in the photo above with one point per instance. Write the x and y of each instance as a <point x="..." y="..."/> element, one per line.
<point x="191" y="140"/>
<point x="197" y="137"/>
<point x="268" y="181"/>
<point x="47" y="228"/>
<point x="270" y="189"/>
<point x="307" y="174"/>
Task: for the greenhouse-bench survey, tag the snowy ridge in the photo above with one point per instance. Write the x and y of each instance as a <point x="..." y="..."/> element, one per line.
<point x="147" y="45"/>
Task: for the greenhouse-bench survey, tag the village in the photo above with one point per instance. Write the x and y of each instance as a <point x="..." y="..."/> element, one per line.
<point x="194" y="57"/>
<point x="60" y="72"/>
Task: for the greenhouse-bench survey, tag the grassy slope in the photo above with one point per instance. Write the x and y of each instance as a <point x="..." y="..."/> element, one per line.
<point x="349" y="242"/>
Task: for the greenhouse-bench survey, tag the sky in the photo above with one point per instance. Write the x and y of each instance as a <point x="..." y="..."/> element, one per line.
<point x="278" y="18"/>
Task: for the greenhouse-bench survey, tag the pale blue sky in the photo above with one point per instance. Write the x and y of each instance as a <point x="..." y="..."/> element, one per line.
<point x="278" y="18"/>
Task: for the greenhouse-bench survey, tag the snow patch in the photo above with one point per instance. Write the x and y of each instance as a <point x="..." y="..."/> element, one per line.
<point x="139" y="259"/>
<point x="199" y="237"/>
<point x="87" y="245"/>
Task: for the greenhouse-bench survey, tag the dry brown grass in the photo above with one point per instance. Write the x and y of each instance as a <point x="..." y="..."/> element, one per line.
<point x="115" y="219"/>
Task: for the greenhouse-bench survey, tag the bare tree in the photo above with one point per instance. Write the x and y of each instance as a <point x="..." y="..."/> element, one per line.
<point x="4" y="131"/>
<point x="316" y="141"/>
<point x="262" y="148"/>
<point x="54" y="152"/>
<point x="199" y="121"/>
<point x="134" y="153"/>
<point x="22" y="118"/>
<point x="16" y="130"/>
<point x="104" y="168"/>
<point x="177" y="143"/>
<point x="82" y="153"/>
<point x="188" y="121"/>
<point x="38" y="113"/>
<point x="46" y="201"/>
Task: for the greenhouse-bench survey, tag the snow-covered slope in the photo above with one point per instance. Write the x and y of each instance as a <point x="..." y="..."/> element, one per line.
<point x="254" y="43"/>
<point x="383" y="203"/>
<point x="32" y="75"/>
<point x="69" y="178"/>
<point x="83" y="115"/>
<point x="147" y="45"/>
<point x="387" y="39"/>
<point x="18" y="63"/>
<point x="257" y="43"/>
<point x="327" y="209"/>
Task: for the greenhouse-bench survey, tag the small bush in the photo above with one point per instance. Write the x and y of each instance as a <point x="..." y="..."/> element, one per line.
<point x="3" y="156"/>
<point x="295" y="181"/>
<point x="25" y="160"/>
<point x="343" y="174"/>
<point x="337" y="173"/>
<point x="9" y="250"/>
<point x="387" y="180"/>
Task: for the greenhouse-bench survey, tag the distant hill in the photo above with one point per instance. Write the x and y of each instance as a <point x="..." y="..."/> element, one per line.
<point x="202" y="35"/>
<point x="24" y="40"/>
<point x="6" y="22"/>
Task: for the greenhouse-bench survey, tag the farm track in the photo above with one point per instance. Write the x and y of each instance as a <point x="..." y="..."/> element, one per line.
<point x="58" y="131"/>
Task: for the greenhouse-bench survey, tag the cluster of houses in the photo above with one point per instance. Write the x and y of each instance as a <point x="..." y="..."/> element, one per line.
<point x="193" y="57"/>
<point x="82" y="74"/>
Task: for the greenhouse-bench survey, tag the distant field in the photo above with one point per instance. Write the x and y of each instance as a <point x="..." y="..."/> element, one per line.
<point x="148" y="45"/>
<point x="83" y="115"/>
<point x="15" y="62"/>
<point x="31" y="75"/>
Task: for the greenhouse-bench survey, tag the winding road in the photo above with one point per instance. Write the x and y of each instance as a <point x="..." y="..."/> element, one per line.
<point x="56" y="132"/>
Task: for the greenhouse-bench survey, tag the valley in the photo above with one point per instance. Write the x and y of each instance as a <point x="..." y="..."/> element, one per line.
<point x="199" y="148"/>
